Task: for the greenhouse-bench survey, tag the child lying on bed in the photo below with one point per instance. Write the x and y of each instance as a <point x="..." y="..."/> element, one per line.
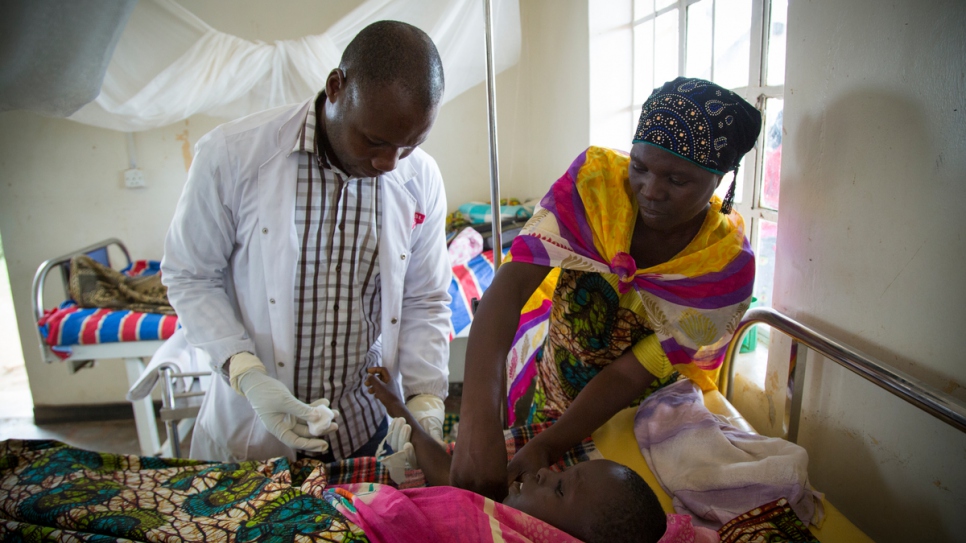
<point x="598" y="500"/>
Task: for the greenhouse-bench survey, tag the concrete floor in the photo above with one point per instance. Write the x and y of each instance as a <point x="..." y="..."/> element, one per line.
<point x="119" y="437"/>
<point x="16" y="420"/>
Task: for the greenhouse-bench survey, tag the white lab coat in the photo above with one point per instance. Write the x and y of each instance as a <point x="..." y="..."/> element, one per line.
<point x="229" y="265"/>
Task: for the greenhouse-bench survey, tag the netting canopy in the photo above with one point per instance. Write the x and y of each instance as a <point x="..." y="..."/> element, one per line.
<point x="168" y="64"/>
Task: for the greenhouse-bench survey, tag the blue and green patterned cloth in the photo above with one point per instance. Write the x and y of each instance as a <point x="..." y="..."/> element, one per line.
<point x="50" y="491"/>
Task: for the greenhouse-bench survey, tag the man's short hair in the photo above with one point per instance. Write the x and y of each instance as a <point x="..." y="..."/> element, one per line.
<point x="387" y="52"/>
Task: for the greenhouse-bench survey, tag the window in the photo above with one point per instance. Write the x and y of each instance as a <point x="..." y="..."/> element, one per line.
<point x="738" y="44"/>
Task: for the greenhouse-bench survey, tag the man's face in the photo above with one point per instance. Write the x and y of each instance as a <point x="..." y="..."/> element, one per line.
<point x="370" y="130"/>
<point x="569" y="500"/>
<point x="670" y="190"/>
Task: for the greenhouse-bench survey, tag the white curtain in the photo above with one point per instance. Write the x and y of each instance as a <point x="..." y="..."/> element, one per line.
<point x="169" y="64"/>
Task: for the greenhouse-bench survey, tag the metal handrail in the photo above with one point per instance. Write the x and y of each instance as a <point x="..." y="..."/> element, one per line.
<point x="37" y="289"/>
<point x="44" y="269"/>
<point x="171" y="412"/>
<point x="928" y="398"/>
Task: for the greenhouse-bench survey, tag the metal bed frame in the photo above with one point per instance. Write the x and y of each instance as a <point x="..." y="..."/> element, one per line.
<point x="930" y="399"/>
<point x="179" y="408"/>
<point x="133" y="354"/>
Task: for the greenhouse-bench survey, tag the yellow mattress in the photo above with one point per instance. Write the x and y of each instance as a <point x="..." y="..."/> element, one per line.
<point x="616" y="441"/>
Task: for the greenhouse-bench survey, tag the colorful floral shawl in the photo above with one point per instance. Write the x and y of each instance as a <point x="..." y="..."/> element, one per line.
<point x="693" y="302"/>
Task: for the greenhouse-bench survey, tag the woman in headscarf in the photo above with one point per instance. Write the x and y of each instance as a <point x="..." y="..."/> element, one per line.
<point x="656" y="274"/>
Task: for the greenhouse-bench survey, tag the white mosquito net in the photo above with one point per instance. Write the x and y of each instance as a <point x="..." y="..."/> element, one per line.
<point x="168" y="64"/>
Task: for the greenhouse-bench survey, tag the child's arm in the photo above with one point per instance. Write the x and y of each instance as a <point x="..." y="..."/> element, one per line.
<point x="430" y="455"/>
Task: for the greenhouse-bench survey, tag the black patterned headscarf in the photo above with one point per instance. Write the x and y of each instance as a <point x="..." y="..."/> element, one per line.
<point x="703" y="123"/>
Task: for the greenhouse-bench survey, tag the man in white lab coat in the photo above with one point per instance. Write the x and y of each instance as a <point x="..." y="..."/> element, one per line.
<point x="309" y="245"/>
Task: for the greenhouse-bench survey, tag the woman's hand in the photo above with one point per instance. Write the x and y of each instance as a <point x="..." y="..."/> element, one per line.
<point x="530" y="459"/>
<point x="479" y="463"/>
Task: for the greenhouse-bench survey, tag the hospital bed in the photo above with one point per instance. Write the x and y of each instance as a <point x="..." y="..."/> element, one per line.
<point x="616" y="439"/>
<point x="78" y="338"/>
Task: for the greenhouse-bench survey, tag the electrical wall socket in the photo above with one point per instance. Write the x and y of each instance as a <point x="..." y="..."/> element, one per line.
<point x="134" y="179"/>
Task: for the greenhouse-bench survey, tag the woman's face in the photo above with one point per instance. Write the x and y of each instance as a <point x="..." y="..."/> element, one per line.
<point x="670" y="190"/>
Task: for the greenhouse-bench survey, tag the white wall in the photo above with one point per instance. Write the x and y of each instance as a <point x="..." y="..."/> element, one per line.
<point x="61" y="183"/>
<point x="871" y="249"/>
<point x="543" y="111"/>
<point x="62" y="189"/>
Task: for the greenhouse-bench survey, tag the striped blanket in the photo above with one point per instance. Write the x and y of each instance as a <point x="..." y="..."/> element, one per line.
<point x="468" y="283"/>
<point x="70" y="324"/>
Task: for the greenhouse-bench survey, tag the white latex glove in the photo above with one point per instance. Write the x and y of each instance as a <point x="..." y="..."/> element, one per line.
<point x="429" y="411"/>
<point x="287" y="418"/>
<point x="403" y="456"/>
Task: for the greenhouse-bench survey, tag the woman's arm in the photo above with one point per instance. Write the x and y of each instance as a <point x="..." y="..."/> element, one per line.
<point x="479" y="460"/>
<point x="611" y="390"/>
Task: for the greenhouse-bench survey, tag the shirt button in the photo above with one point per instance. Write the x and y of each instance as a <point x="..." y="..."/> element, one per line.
<point x="264" y="230"/>
<point x="281" y="364"/>
<point x="402" y="257"/>
<point x="341" y="226"/>
<point x="271" y="300"/>
<point x="335" y="307"/>
<point x="333" y="343"/>
<point x="394" y="320"/>
<point x="338" y="267"/>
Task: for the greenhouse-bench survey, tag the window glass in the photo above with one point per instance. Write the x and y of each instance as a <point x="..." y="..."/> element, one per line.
<point x="722" y="189"/>
<point x="665" y="47"/>
<point x="771" y="166"/>
<point x="765" y="261"/>
<point x="661" y="4"/>
<point x="732" y="42"/>
<point x="643" y="8"/>
<point x="775" y="74"/>
<point x="643" y="61"/>
<point x="699" y="39"/>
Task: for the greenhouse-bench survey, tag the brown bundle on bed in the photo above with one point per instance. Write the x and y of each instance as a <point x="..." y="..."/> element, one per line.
<point x="95" y="285"/>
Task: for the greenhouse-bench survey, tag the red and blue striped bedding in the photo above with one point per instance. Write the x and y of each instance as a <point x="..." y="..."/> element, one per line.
<point x="469" y="281"/>
<point x="69" y="324"/>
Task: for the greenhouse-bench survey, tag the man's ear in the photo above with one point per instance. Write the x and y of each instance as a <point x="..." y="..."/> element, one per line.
<point x="335" y="84"/>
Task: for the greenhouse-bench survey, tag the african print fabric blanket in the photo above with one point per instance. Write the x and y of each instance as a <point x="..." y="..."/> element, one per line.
<point x="53" y="492"/>
<point x="694" y="302"/>
<point x="50" y="491"/>
<point x="774" y="521"/>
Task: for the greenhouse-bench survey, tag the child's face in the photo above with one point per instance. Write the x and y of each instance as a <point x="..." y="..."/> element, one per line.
<point x="569" y="500"/>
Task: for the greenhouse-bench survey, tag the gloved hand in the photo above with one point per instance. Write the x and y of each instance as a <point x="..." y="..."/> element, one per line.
<point x="287" y="418"/>
<point x="429" y="411"/>
<point x="403" y="456"/>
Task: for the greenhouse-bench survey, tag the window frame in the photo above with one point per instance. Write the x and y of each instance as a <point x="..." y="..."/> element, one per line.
<point x="755" y="92"/>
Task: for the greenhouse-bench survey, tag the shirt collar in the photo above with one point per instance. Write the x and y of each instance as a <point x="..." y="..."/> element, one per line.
<point x="306" y="140"/>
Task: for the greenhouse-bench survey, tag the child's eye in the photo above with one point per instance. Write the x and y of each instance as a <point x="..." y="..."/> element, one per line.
<point x="677" y="182"/>
<point x="559" y="489"/>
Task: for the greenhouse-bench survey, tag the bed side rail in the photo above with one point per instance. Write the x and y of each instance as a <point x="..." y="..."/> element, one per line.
<point x="41" y="276"/>
<point x="61" y="262"/>
<point x="925" y="397"/>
